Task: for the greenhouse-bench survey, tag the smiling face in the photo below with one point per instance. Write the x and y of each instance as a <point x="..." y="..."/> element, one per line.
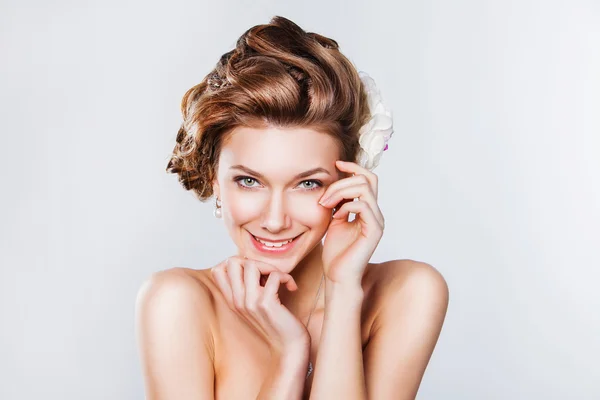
<point x="269" y="182"/>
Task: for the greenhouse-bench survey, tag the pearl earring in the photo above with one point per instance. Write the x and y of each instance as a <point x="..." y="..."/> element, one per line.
<point x="217" y="211"/>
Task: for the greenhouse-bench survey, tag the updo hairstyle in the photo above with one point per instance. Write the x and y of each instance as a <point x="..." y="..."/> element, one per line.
<point x="277" y="75"/>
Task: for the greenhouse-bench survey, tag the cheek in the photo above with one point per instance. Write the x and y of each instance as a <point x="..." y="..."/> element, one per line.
<point x="242" y="208"/>
<point x="304" y="208"/>
<point x="308" y="212"/>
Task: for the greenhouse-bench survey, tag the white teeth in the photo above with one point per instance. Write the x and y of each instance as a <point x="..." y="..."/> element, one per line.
<point x="270" y="244"/>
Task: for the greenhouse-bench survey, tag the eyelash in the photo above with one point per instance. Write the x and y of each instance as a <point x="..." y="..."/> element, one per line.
<point x="237" y="179"/>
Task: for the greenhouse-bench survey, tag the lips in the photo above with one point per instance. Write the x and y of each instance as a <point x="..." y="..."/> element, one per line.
<point x="273" y="250"/>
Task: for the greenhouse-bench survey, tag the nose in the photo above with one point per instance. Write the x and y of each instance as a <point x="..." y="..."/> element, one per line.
<point x="275" y="217"/>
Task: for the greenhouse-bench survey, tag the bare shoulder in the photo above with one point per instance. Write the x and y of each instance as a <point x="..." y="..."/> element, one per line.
<point x="174" y="333"/>
<point x="412" y="272"/>
<point x="179" y="285"/>
<point x="175" y="294"/>
<point x="402" y="279"/>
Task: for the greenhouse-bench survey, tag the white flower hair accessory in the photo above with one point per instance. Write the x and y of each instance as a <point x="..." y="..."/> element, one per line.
<point x="375" y="134"/>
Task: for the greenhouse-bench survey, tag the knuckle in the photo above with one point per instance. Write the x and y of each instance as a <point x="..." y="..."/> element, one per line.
<point x="363" y="178"/>
<point x="235" y="259"/>
<point x="230" y="261"/>
<point x="251" y="307"/>
<point x="239" y="305"/>
<point x="263" y="305"/>
<point x="249" y="266"/>
<point x="218" y="269"/>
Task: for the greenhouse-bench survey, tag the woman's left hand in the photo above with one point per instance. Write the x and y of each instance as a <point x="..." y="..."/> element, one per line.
<point x="348" y="246"/>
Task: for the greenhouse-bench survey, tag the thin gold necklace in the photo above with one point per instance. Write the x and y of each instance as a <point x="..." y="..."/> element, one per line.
<point x="310" y="366"/>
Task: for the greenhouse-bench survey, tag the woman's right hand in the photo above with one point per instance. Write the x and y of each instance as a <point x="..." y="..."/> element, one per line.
<point x="239" y="279"/>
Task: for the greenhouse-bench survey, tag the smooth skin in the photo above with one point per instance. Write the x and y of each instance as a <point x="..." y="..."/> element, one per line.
<point x="236" y="330"/>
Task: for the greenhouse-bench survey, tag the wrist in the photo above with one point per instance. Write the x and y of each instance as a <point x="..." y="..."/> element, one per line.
<point x="293" y="359"/>
<point x="286" y="376"/>
<point x="292" y="351"/>
<point x="348" y="292"/>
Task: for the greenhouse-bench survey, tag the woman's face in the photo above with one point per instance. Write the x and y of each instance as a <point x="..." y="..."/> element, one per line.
<point x="269" y="182"/>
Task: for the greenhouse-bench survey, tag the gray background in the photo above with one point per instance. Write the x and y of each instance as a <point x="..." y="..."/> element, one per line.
<point x="492" y="176"/>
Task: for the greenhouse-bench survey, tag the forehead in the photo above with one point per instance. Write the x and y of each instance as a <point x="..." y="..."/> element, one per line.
<point x="274" y="148"/>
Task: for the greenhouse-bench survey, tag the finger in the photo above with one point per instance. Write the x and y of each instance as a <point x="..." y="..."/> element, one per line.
<point x="274" y="280"/>
<point x="359" y="190"/>
<point x="263" y="267"/>
<point x="363" y="193"/>
<point x="365" y="214"/>
<point x="270" y="294"/>
<point x="266" y="269"/>
<point x="252" y="281"/>
<point x="342" y="183"/>
<point x="252" y="286"/>
<point x="270" y="307"/>
<point x="220" y="276"/>
<point x="340" y="204"/>
<point x="235" y="273"/>
<point x="357" y="169"/>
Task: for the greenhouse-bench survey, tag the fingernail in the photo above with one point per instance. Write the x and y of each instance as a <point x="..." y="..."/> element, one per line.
<point x="323" y="201"/>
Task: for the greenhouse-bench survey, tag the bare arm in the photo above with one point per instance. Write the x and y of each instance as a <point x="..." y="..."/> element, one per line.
<point x="404" y="336"/>
<point x="173" y="319"/>
<point x="339" y="367"/>
<point x="286" y="377"/>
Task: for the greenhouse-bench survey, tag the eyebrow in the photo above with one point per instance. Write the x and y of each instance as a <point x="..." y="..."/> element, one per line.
<point x="261" y="176"/>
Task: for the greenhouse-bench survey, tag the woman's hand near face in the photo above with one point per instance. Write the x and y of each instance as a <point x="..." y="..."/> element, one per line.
<point x="239" y="279"/>
<point x="349" y="245"/>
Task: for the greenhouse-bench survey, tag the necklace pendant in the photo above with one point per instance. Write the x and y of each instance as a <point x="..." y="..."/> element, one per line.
<point x="310" y="369"/>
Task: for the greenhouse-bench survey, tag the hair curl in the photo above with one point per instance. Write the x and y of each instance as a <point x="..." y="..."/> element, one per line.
<point x="277" y="75"/>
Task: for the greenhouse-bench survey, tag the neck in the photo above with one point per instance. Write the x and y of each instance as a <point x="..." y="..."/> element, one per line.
<point x="307" y="274"/>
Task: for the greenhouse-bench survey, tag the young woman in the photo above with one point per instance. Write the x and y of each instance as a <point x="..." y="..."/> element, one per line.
<point x="284" y="132"/>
